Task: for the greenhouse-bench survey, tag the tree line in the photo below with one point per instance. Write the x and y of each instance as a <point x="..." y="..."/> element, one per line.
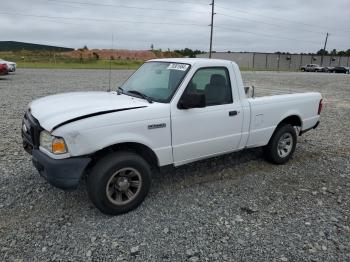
<point x="333" y="52"/>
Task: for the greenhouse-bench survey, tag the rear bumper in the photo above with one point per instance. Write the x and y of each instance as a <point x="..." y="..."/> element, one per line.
<point x="306" y="130"/>
<point x="61" y="173"/>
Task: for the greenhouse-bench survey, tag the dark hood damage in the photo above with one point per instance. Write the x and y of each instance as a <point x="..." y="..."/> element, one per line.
<point x="94" y="114"/>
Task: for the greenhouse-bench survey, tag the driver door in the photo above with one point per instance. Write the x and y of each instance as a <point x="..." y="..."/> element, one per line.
<point x="202" y="132"/>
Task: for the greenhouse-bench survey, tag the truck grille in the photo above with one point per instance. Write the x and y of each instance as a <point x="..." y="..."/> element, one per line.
<point x="30" y="132"/>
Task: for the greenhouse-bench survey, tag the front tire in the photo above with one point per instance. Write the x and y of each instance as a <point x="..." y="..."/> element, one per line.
<point x="281" y="145"/>
<point x="119" y="182"/>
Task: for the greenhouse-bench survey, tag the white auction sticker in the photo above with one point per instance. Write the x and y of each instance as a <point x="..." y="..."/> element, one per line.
<point x="181" y="67"/>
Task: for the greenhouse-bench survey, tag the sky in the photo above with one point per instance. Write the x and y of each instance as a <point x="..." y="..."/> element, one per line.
<point x="254" y="25"/>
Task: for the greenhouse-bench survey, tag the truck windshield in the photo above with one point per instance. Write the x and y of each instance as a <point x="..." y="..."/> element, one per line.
<point x="156" y="80"/>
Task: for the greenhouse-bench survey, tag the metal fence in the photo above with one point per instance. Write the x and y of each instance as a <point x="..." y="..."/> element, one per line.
<point x="279" y="61"/>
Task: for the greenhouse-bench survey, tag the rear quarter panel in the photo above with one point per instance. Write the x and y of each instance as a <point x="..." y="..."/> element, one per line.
<point x="267" y="112"/>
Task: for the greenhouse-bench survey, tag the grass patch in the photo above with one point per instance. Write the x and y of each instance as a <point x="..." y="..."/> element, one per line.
<point x="100" y="64"/>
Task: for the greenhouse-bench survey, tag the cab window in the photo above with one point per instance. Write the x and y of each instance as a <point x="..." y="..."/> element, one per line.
<point x="214" y="83"/>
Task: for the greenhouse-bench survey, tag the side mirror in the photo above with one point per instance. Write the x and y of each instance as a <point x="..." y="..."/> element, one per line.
<point x="250" y="91"/>
<point x="192" y="101"/>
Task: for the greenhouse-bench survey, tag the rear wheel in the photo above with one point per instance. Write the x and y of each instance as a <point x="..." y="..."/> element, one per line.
<point x="281" y="145"/>
<point x="119" y="182"/>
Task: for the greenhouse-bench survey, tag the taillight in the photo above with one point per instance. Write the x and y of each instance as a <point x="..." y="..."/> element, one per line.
<point x="320" y="105"/>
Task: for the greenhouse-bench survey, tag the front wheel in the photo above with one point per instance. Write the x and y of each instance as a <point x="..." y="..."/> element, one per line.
<point x="281" y="145"/>
<point x="119" y="182"/>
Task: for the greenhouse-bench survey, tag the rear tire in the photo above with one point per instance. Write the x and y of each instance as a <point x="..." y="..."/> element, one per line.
<point x="281" y="145"/>
<point x="119" y="182"/>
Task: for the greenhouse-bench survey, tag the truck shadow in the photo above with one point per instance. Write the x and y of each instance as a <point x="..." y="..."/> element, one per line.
<point x="225" y="167"/>
<point x="170" y="179"/>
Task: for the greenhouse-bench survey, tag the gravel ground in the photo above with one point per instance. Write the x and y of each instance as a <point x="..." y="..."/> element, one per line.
<point x="235" y="207"/>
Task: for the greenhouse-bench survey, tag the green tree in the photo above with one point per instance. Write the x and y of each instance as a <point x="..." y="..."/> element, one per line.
<point x="322" y="52"/>
<point x="189" y="52"/>
<point x="96" y="55"/>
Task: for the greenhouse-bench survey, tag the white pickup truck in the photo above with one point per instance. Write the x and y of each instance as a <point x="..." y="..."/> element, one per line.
<point x="169" y="112"/>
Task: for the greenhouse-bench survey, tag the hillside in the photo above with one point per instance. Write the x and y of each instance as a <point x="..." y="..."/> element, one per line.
<point x="18" y="46"/>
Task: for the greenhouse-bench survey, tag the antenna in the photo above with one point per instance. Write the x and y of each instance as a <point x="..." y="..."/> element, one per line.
<point x="110" y="66"/>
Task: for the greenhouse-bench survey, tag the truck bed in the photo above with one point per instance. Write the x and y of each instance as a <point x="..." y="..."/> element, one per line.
<point x="263" y="91"/>
<point x="267" y="111"/>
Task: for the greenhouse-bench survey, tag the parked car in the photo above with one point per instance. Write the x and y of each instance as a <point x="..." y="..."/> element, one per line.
<point x="12" y="66"/>
<point x="338" y="69"/>
<point x="312" y="68"/>
<point x="3" y="69"/>
<point x="169" y="112"/>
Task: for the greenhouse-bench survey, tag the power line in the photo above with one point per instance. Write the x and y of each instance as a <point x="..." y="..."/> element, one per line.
<point x="265" y="35"/>
<point x="266" y="23"/>
<point x="181" y="2"/>
<point x="278" y="18"/>
<point x="103" y="20"/>
<point x="199" y="12"/>
<point x="127" y="6"/>
<point x="235" y="29"/>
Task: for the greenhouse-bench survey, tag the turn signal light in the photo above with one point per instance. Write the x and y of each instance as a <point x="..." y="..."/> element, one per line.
<point x="58" y="146"/>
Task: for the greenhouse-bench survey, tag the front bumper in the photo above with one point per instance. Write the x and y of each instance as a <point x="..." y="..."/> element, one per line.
<point x="61" y="173"/>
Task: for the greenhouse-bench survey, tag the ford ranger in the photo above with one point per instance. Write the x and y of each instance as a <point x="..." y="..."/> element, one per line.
<point x="169" y="112"/>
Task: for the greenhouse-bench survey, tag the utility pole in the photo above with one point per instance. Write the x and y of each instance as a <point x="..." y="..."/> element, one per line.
<point x="324" y="49"/>
<point x="110" y="65"/>
<point x="211" y="28"/>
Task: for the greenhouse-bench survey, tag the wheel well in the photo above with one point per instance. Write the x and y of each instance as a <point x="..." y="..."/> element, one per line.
<point x="137" y="148"/>
<point x="292" y="120"/>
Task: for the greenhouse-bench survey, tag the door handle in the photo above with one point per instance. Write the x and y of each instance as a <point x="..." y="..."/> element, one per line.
<point x="233" y="113"/>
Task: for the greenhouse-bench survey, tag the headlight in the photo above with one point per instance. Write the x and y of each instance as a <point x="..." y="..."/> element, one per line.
<point x="52" y="144"/>
<point x="46" y="140"/>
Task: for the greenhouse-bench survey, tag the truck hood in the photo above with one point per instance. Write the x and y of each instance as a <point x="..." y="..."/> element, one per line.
<point x="57" y="110"/>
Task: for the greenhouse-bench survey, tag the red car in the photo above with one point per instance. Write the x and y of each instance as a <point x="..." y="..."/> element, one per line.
<point x="3" y="69"/>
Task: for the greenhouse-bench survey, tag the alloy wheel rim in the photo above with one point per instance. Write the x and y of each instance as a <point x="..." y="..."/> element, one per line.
<point x="123" y="186"/>
<point x="285" y="145"/>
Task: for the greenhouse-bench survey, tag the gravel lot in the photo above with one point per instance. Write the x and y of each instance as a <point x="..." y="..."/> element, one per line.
<point x="235" y="207"/>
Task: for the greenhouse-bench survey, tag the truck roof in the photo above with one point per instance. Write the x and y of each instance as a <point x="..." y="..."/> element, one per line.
<point x="192" y="61"/>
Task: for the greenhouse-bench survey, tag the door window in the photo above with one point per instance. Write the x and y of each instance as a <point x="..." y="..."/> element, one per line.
<point x="214" y="83"/>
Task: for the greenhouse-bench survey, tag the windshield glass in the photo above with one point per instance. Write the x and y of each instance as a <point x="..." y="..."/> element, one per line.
<point x="156" y="80"/>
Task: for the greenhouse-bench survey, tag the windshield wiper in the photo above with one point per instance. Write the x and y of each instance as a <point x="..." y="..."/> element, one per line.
<point x="149" y="100"/>
<point x="120" y="90"/>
